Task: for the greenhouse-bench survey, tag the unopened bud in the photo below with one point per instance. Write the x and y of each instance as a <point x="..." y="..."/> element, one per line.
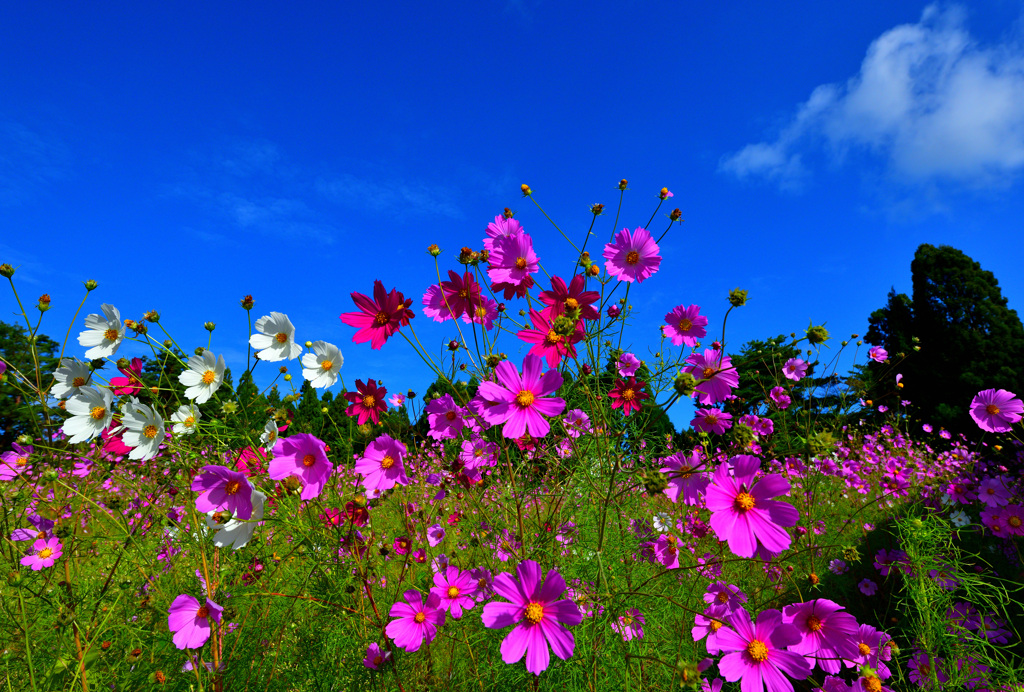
<point x="817" y="335"/>
<point x="168" y="343"/>
<point x="209" y="326"/>
<point x="283" y="369"/>
<point x="614" y="311"/>
<point x="151" y="316"/>
<point x="24" y="439"/>
<point x="623" y="183"/>
<point x="6" y="271"/>
<point x="44" y="302"/>
<point x="508" y="213"/>
<point x="91" y="285"/>
<point x="586" y="369"/>
<point x="596" y="209"/>
<point x="323" y="410"/>
<point x="684" y="384"/>
<point x="654" y="482"/>
<point x="675" y="215"/>
<point x="200" y="350"/>
<point x="410" y="394"/>
<point x="737" y="297"/>
<point x="309" y="344"/>
<point x="453" y="345"/>
<point x="434" y="250"/>
<point x="247" y="302"/>
<point x="526" y="190"/>
<point x="594" y="270"/>
<point x="664" y="193"/>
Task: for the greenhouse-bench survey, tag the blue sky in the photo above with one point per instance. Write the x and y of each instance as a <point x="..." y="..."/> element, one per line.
<point x="186" y="154"/>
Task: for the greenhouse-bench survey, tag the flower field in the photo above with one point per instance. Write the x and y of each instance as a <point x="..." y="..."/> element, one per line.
<point x="533" y="521"/>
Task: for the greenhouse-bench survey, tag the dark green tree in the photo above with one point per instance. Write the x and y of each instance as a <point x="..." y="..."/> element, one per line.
<point x="969" y="339"/>
<point x="308" y="418"/>
<point x="19" y="404"/>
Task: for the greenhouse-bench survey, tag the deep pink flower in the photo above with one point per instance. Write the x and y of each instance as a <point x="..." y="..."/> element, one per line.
<point x="381" y="465"/>
<point x="993" y="492"/>
<point x="512" y="260"/>
<point x="632" y="256"/>
<point x="996" y="410"/>
<point x="461" y="293"/>
<point x="45" y="553"/>
<point x="191" y="622"/>
<point x="445" y="418"/>
<point x="549" y="344"/>
<point x="742" y="511"/>
<point x="708" y="624"/>
<point x="711" y="420"/>
<point x="685" y="325"/>
<point x="304" y="456"/>
<point x="759" y="657"/>
<point x="627" y="395"/>
<point x="878" y="354"/>
<point x="484" y="314"/>
<point x="683" y="479"/>
<point x="378" y="319"/>
<point x="630" y="625"/>
<point x="729" y="595"/>
<point x="250" y="462"/>
<point x="434" y="305"/>
<point x="15" y="462"/>
<point x="576" y="423"/>
<point x="417" y="621"/>
<point x="569" y="300"/>
<point x="375" y="656"/>
<point x="455" y="589"/>
<point x="221" y="489"/>
<point x="521" y="402"/>
<point x="627" y="365"/>
<point x="368" y="402"/>
<point x="538" y="614"/>
<point x="794" y="369"/>
<point x="715" y="373"/>
<point x="826" y="633"/>
<point x="779" y="396"/>
<point x="478" y="452"/>
<point x="921" y="666"/>
<point x="131" y="383"/>
<point x="666" y="551"/>
<point x="501" y="227"/>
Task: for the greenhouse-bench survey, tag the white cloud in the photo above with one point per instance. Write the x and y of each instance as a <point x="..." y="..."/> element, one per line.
<point x="929" y="102"/>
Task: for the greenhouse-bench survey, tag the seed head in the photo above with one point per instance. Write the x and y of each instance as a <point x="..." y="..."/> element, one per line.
<point x="737" y="297"/>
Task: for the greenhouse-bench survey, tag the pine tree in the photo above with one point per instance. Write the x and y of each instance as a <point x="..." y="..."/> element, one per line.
<point x="19" y="402"/>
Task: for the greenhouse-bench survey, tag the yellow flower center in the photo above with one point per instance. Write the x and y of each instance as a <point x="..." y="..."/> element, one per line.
<point x="552" y="337"/>
<point x="189" y="421"/>
<point x="281" y="337"/>
<point x="722" y="597"/>
<point x="1014" y="521"/>
<point x="381" y="318"/>
<point x="626" y="620"/>
<point x="110" y="334"/>
<point x="991" y="409"/>
<point x="308" y="460"/>
<point x="534" y="613"/>
<point x="45" y="553"/>
<point x="481" y="312"/>
<point x="863" y="649"/>
<point x="98" y="413"/>
<point x="708" y="372"/>
<point x="814" y="623"/>
<point x="203" y="612"/>
<point x="387" y="462"/>
<point x="453" y="591"/>
<point x="78" y="382"/>
<point x="716" y="625"/>
<point x="232" y="487"/>
<point x="21" y="461"/>
<point x="744" y="502"/>
<point x="369" y="401"/>
<point x="478" y="452"/>
<point x="628" y="395"/>
<point x="149" y="431"/>
<point x="632" y="257"/>
<point x="209" y="376"/>
<point x="420" y="617"/>
<point x="524" y="398"/>
<point x="685" y="471"/>
<point x="41" y="534"/>
<point x="520" y="263"/>
<point x="757" y="651"/>
<point x="685" y="324"/>
<point x="326" y="365"/>
<point x="571" y="304"/>
<point x="872" y="683"/>
<point x="464" y="294"/>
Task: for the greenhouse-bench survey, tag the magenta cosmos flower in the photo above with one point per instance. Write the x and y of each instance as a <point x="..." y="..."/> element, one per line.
<point x="15" y="462"/>
<point x="381" y="466"/>
<point x="375" y="656"/>
<point x="756" y="654"/>
<point x="537" y="612"/>
<point x="711" y="420"/>
<point x="512" y="261"/>
<point x="685" y="325"/>
<point x="501" y="227"/>
<point x="570" y="301"/>
<point x="627" y="395"/>
<point x="455" y="589"/>
<point x="794" y="369"/>
<point x="632" y="256"/>
<point x="826" y="633"/>
<point x="630" y="625"/>
<point x="445" y="418"/>
<point x="742" y="511"/>
<point x="191" y="622"/>
<point x="44" y="553"/>
<point x="221" y="489"/>
<point x="996" y="410"/>
<point x="684" y="481"/>
<point x="715" y="373"/>
<point x="521" y="402"/>
<point x="367" y="402"/>
<point x="131" y="383"/>
<point x="878" y="354"/>
<point x="417" y="621"/>
<point x="304" y="456"/>
<point x="378" y="319"/>
<point x="549" y="344"/>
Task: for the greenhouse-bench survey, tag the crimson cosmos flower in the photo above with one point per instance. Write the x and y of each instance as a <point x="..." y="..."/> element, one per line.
<point x="367" y="403"/>
<point x="627" y="395"/>
<point x="379" y="318"/>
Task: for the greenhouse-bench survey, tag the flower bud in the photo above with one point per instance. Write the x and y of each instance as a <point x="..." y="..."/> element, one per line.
<point x="453" y="345"/>
<point x="247" y="302"/>
<point x="564" y="326"/>
<point x="209" y="326"/>
<point x="468" y="257"/>
<point x="91" y="285"/>
<point x="522" y="313"/>
<point x="309" y="344"/>
<point x="594" y="270"/>
<point x="24" y="439"/>
<point x="410" y="394"/>
<point x="614" y="311"/>
<point x="596" y="209"/>
<point x="526" y="190"/>
<point x="817" y="335"/>
<point x="737" y="297"/>
<point x="685" y="384"/>
<point x="151" y="316"/>
<point x="44" y="302"/>
<point x="623" y="183"/>
<point x="664" y="193"/>
<point x="434" y="250"/>
<point x="123" y="363"/>
<point x="676" y="213"/>
<point x="50" y="475"/>
<point x="654" y="482"/>
<point x="6" y="271"/>
<point x="501" y="308"/>
<point x="586" y="369"/>
<point x="324" y="410"/>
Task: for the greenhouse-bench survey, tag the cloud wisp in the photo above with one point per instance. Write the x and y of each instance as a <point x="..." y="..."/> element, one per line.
<point x="929" y="103"/>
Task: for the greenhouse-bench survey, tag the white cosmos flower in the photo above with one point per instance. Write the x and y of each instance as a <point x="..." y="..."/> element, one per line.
<point x="269" y="437"/>
<point x="105" y="333"/>
<point x="203" y="377"/>
<point x="91" y="411"/>
<point x="185" y="419"/>
<point x="145" y="430"/>
<point x="72" y="376"/>
<point x="322" y="365"/>
<point x="276" y="338"/>
<point x="233" y="532"/>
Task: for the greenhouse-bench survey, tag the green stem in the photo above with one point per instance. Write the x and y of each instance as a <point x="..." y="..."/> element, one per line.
<point x="28" y="645"/>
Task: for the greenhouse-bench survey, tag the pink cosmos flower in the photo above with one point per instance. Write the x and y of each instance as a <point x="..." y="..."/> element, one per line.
<point x="708" y="624"/>
<point x="711" y="420"/>
<point x="378" y="319"/>
<point x="569" y="300"/>
<point x="627" y="364"/>
<point x="1012" y="517"/>
<point x="501" y="227"/>
<point x="42" y="529"/>
<point x="478" y="452"/>
<point x="15" y="462"/>
<point x="627" y="395"/>
<point x="549" y="344"/>
<point x="131" y="383"/>
<point x="867" y="587"/>
<point x="878" y="354"/>
<point x="729" y="595"/>
<point x="191" y="622"/>
<point x="538" y="614"/>
<point x="222" y="489"/>
<point x="996" y="410"/>
<point x="921" y="666"/>
<point x="742" y="511"/>
<point x="304" y="456"/>
<point x="758" y="652"/>
<point x="715" y="373"/>
<point x="666" y="551"/>
<point x="779" y="396"/>
<point x="368" y="402"/>
<point x="485" y="313"/>
<point x="512" y="261"/>
<point x="632" y="256"/>
<point x="455" y="589"/>
<point x="435" y="534"/>
<point x="45" y="553"/>
<point x="576" y="423"/>
<point x="993" y="492"/>
<point x="381" y="465"/>
<point x="376" y="657"/>
<point x="795" y="369"/>
<point x="826" y="633"/>
<point x="445" y="418"/>
<point x="434" y="305"/>
<point x="417" y="621"/>
<point x="683" y="480"/>
<point x="630" y="625"/>
<point x="521" y="402"/>
<point x="461" y="293"/>
<point x="250" y="462"/>
<point x="685" y="325"/>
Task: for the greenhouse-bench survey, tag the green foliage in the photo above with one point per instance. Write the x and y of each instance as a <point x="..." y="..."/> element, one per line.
<point x="17" y="418"/>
